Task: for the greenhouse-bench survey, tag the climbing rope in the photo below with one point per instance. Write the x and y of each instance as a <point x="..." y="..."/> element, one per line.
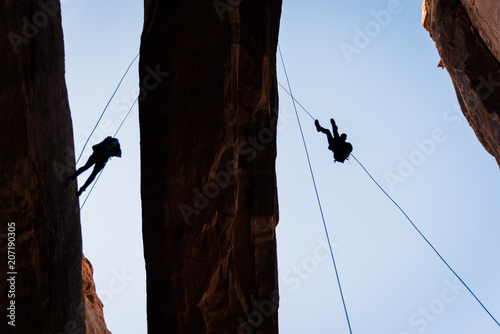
<point x="126" y="116"/>
<point x="61" y="193"/>
<point x="316" y="190"/>
<point x="37" y="241"/>
<point x="407" y="217"/>
<point x="99" y="175"/>
<point x="106" y="107"/>
<point x="427" y="241"/>
<point x="295" y="101"/>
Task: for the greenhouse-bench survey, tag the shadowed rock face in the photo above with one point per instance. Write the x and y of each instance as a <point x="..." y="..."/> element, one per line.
<point x="36" y="154"/>
<point x="467" y="36"/>
<point x="208" y="113"/>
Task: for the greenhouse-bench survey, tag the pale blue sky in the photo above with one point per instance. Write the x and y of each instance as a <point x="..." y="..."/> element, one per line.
<point x="390" y="99"/>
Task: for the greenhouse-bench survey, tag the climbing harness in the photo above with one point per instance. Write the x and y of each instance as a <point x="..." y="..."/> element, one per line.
<point x="289" y="92"/>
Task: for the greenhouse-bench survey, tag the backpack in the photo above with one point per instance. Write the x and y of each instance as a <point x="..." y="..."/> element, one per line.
<point x="109" y="144"/>
<point x="342" y="152"/>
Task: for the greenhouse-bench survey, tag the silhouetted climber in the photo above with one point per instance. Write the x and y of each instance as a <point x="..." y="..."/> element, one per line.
<point x="109" y="147"/>
<point x="341" y="149"/>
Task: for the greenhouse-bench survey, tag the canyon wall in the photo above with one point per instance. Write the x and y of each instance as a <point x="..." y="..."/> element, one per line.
<point x="467" y="36"/>
<point x="94" y="316"/>
<point x="208" y="113"/>
<point x="36" y="155"/>
<point x="40" y="237"/>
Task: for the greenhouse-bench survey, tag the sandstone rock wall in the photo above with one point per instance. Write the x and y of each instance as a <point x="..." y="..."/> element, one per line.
<point x="208" y="113"/>
<point x="40" y="223"/>
<point x="94" y="316"/>
<point x="467" y="36"/>
<point x="36" y="154"/>
<point x="485" y="19"/>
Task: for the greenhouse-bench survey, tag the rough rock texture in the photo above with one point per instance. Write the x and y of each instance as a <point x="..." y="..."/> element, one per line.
<point x="485" y="18"/>
<point x="467" y="36"/>
<point x="36" y="156"/>
<point x="37" y="144"/>
<point x="208" y="112"/>
<point x="93" y="306"/>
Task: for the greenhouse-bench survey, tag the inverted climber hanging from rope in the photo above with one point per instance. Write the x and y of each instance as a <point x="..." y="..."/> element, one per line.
<point x="109" y="147"/>
<point x="337" y="144"/>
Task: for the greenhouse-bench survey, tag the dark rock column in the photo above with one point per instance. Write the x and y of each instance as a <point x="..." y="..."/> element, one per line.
<point x="471" y="63"/>
<point x="36" y="155"/>
<point x="208" y="113"/>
